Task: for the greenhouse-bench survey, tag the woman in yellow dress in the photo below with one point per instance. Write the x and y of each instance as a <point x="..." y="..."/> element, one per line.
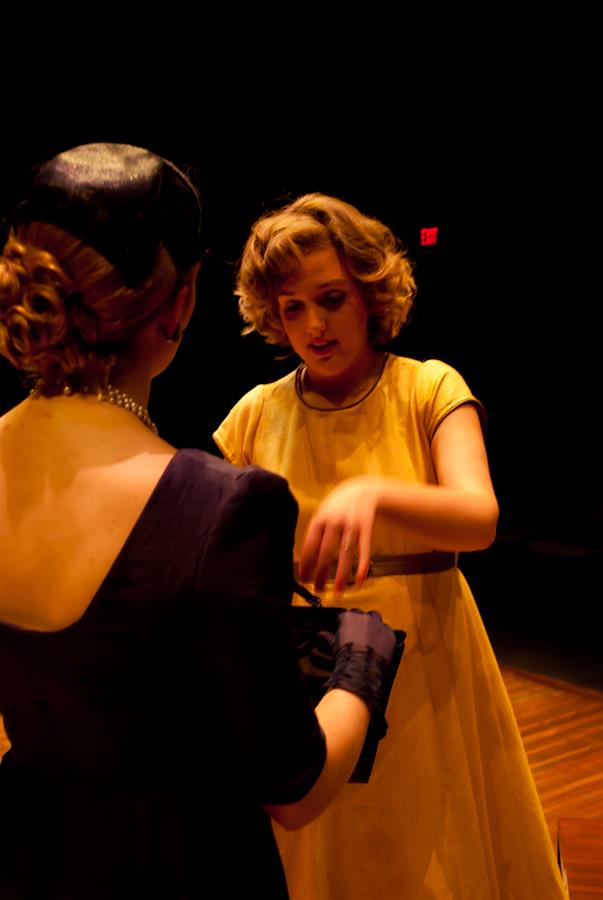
<point x="386" y="458"/>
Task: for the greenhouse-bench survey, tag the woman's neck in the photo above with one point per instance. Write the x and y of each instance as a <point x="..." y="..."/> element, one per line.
<point x="346" y="389"/>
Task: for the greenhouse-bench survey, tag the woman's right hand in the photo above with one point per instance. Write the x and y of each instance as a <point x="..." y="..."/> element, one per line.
<point x="363" y="647"/>
<point x="340" y="529"/>
<point x="363" y="630"/>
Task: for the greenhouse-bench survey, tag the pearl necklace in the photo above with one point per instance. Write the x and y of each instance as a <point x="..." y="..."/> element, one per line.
<point x="113" y="395"/>
<point x="119" y="398"/>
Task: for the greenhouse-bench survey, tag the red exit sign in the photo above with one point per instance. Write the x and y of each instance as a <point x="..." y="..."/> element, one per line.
<point x="429" y="236"/>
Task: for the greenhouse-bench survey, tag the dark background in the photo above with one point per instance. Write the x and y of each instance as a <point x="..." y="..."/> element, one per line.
<point x="506" y="296"/>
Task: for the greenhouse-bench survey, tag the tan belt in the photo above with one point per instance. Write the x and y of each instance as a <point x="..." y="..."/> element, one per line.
<point x="412" y="563"/>
<point x="401" y="564"/>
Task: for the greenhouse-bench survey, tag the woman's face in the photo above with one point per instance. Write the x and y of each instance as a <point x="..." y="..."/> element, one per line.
<point x="325" y="318"/>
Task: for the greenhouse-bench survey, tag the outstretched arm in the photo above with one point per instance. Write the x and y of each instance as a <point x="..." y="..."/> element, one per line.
<point x="458" y="513"/>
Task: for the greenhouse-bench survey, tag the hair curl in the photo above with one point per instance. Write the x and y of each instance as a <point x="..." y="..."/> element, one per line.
<point x="372" y="254"/>
<point x="64" y="309"/>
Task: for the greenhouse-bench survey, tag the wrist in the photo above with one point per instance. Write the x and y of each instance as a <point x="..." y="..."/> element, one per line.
<point x="387" y="493"/>
<point x="360" y="671"/>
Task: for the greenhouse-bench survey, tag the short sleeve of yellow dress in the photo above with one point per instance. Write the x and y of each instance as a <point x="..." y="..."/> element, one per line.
<point x="451" y="809"/>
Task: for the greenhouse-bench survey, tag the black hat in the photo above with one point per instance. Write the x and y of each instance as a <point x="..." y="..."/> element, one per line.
<point x="121" y="200"/>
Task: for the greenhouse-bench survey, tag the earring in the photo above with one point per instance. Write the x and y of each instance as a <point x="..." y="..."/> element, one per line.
<point x="175" y="336"/>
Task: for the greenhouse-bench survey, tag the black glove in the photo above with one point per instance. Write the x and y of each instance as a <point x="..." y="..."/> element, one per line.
<point x="352" y="650"/>
<point x="363" y="647"/>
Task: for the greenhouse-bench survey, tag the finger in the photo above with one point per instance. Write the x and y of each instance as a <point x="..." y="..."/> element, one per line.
<point x="348" y="540"/>
<point x="364" y="554"/>
<point x="325" y="641"/>
<point x="327" y="554"/>
<point x="309" y="553"/>
<point x="346" y="557"/>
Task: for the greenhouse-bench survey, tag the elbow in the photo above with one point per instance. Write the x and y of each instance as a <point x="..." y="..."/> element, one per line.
<point x="291" y="816"/>
<point x="486" y="540"/>
<point x="479" y="528"/>
<point x="487" y="525"/>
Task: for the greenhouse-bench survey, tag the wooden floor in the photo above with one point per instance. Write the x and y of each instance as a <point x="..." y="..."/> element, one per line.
<point x="562" y="729"/>
<point x="581" y="855"/>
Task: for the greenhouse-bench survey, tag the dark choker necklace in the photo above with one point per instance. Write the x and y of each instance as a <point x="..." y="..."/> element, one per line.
<point x="299" y="389"/>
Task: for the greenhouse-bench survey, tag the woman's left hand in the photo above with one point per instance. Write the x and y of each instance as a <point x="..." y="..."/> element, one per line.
<point x="341" y="527"/>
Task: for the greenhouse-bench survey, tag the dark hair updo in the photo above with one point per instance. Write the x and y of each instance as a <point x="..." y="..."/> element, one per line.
<point x="101" y="239"/>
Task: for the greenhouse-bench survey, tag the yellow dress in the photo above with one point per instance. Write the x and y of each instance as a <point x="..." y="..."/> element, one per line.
<point x="451" y="809"/>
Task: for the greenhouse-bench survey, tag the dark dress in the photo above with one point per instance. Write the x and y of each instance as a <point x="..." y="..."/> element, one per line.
<point x="147" y="735"/>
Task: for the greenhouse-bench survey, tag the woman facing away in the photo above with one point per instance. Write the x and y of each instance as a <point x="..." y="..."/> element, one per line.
<point x="155" y="708"/>
<point x="386" y="459"/>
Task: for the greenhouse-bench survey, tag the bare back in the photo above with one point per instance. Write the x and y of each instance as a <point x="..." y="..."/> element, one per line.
<point x="75" y="476"/>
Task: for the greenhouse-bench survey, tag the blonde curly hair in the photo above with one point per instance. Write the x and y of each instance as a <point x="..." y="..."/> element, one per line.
<point x="372" y="255"/>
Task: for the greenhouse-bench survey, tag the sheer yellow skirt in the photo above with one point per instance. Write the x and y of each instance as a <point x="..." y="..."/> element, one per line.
<point x="451" y="809"/>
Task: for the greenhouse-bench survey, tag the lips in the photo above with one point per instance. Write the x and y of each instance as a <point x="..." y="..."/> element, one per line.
<point x="321" y="348"/>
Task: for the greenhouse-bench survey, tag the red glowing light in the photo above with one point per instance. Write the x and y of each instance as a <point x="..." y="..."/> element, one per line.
<point x="429" y="236"/>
